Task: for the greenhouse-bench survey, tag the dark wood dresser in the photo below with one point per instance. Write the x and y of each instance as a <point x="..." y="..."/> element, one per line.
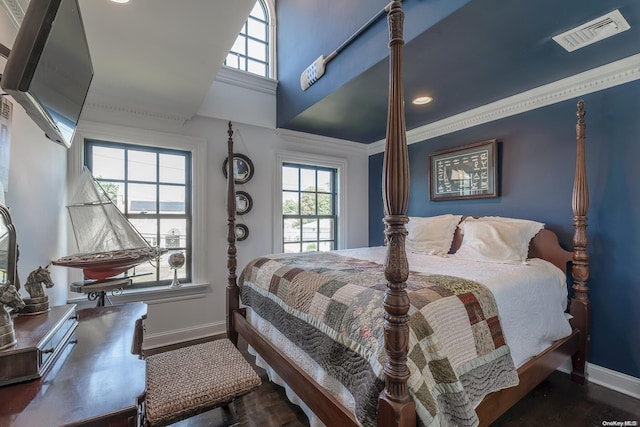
<point x="93" y="382"/>
<point x="41" y="339"/>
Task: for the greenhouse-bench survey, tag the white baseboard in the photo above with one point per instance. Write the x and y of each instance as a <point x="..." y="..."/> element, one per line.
<point x="610" y="379"/>
<point x="177" y="336"/>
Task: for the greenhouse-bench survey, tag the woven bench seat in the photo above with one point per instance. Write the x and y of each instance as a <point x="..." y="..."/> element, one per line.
<point x="190" y="380"/>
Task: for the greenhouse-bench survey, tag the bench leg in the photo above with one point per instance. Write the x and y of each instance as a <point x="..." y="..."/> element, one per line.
<point x="140" y="418"/>
<point x="230" y="414"/>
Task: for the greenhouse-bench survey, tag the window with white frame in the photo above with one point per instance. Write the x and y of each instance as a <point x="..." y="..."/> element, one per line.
<point x="311" y="213"/>
<point x="251" y="50"/>
<point x="152" y="188"/>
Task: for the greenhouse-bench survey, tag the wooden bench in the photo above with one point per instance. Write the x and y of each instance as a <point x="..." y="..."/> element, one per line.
<point x="190" y="380"/>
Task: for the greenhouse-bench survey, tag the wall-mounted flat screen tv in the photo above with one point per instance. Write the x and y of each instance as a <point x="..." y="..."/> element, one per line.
<point x="49" y="68"/>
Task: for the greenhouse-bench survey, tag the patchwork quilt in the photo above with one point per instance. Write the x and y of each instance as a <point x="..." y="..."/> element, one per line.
<point x="330" y="306"/>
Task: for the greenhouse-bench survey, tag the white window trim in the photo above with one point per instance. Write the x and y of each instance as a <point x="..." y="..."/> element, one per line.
<point x="273" y="59"/>
<point x="246" y="80"/>
<point x="272" y="68"/>
<point x="337" y="163"/>
<point x="198" y="149"/>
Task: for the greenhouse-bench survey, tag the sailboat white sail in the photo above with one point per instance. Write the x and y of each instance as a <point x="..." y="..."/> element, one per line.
<point x="108" y="243"/>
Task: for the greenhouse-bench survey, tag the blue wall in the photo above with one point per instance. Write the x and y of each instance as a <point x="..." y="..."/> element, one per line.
<point x="537" y="165"/>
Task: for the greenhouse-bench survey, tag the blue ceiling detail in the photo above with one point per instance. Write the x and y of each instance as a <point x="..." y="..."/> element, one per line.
<point x="463" y="53"/>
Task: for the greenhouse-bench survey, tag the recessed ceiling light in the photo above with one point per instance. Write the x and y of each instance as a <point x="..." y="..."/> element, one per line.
<point x="421" y="100"/>
<point x="121" y="1"/>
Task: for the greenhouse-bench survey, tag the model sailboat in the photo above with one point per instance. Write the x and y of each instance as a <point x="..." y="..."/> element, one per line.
<point x="108" y="243"/>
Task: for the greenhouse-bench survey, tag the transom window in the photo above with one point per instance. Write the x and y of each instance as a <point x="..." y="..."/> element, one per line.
<point x="309" y="220"/>
<point x="250" y="52"/>
<point x="152" y="188"/>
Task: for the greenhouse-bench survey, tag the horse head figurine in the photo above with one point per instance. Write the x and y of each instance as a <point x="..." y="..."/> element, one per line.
<point x="37" y="278"/>
<point x="10" y="297"/>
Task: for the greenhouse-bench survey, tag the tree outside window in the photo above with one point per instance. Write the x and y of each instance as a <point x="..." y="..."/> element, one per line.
<point x="308" y="208"/>
<point x="152" y="188"/>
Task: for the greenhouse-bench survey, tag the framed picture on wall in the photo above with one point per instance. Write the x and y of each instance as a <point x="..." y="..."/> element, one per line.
<point x="467" y="172"/>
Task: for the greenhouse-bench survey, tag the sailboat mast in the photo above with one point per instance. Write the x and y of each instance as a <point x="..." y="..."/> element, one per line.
<point x="118" y="212"/>
<point x="108" y="242"/>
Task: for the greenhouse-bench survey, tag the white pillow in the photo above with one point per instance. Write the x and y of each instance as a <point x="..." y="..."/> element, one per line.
<point x="496" y="239"/>
<point x="431" y="235"/>
<point x="503" y="219"/>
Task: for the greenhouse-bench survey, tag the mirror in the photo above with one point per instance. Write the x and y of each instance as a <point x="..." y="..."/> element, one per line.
<point x="8" y="249"/>
<point x="242" y="168"/>
<point x="9" y="296"/>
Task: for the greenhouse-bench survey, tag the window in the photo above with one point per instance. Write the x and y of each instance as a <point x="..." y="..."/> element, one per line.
<point x="152" y="188"/>
<point x="250" y="52"/>
<point x="309" y="219"/>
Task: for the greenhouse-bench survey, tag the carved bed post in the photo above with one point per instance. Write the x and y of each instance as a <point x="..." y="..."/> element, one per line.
<point x="395" y="406"/>
<point x="233" y="292"/>
<point x="580" y="305"/>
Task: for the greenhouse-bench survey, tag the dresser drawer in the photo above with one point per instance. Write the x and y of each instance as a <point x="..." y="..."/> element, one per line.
<point x="52" y="345"/>
<point x="40" y="339"/>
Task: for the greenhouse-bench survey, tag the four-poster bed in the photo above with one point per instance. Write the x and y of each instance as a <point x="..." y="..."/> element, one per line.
<point x="395" y="405"/>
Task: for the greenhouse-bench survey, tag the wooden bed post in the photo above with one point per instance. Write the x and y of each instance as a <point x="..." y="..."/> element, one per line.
<point x="233" y="292"/>
<point x="580" y="305"/>
<point x="395" y="406"/>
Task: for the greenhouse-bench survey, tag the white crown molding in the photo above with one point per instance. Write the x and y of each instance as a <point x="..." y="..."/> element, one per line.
<point x="14" y="11"/>
<point x="97" y="108"/>
<point x="325" y="141"/>
<point x="596" y="79"/>
<point x="119" y="133"/>
<point x="246" y="80"/>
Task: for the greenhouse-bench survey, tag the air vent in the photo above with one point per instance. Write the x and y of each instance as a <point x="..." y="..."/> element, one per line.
<point x="593" y="31"/>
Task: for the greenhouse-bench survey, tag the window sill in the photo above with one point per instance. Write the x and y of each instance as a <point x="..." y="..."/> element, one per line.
<point x="146" y="294"/>
<point x="247" y="80"/>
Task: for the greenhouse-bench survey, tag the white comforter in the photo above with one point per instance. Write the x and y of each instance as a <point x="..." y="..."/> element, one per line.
<point x="531" y="297"/>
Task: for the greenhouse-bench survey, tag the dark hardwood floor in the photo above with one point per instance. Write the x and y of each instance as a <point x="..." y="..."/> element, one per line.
<point x="555" y="402"/>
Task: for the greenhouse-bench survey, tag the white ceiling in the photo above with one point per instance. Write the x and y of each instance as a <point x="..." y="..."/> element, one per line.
<point x="159" y="57"/>
<point x="155" y="57"/>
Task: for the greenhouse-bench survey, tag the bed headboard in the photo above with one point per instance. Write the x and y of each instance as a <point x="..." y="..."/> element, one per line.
<point x="544" y="245"/>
